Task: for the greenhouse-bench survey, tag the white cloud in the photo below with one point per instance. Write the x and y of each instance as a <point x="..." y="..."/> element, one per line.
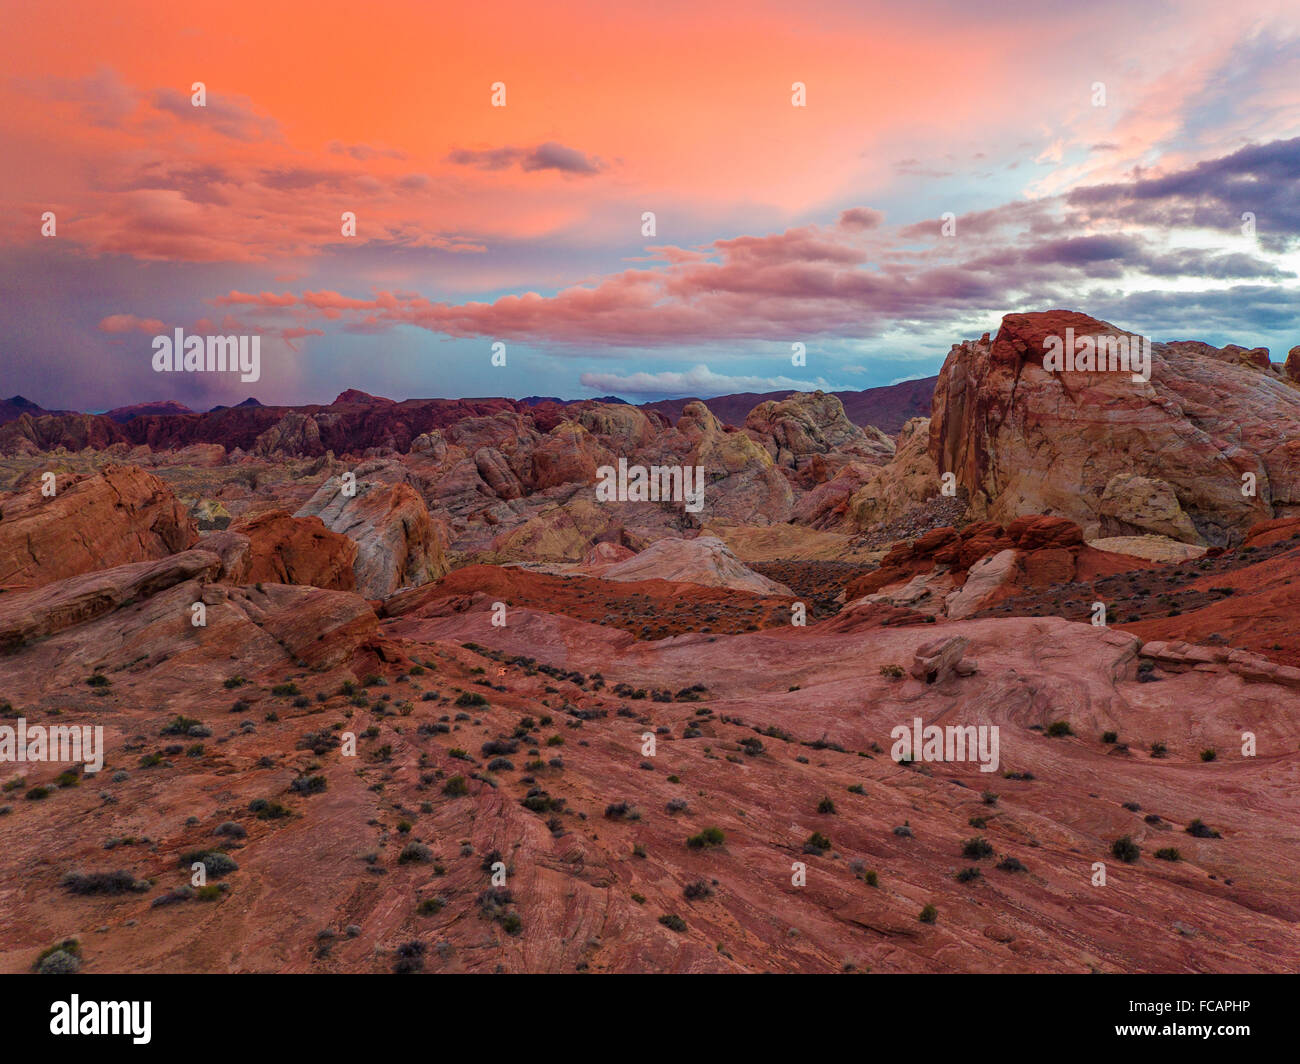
<point x="698" y="380"/>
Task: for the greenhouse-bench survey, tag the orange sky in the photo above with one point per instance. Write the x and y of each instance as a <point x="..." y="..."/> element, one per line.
<point x="683" y="109"/>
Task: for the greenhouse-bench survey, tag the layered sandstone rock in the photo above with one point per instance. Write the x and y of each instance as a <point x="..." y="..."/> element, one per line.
<point x="908" y="479"/>
<point x="398" y="544"/>
<point x="30" y="615"/>
<point x="957" y="573"/>
<point x="296" y="550"/>
<point x="1118" y="456"/>
<point x="705" y="560"/>
<point x="121" y="514"/>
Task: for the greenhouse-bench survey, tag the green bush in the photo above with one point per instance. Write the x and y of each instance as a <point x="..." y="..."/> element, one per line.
<point x="1125" y="849"/>
<point x="707" y="837"/>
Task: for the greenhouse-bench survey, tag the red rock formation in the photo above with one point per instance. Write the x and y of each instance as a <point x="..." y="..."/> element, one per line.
<point x="296" y="550"/>
<point x="121" y="514"/>
<point x="66" y="603"/>
<point x="398" y="543"/>
<point x="1116" y="456"/>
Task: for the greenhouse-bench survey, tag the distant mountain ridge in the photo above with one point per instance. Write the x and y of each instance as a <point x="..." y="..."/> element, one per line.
<point x="123" y="414"/>
<point x="887" y="408"/>
<point x="358" y="421"/>
<point x="16" y="405"/>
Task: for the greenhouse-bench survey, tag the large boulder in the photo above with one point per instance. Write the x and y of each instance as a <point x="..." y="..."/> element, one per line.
<point x="119" y="515"/>
<point x="398" y="544"/>
<point x="1024" y="439"/>
<point x="296" y="550"/>
<point x="705" y="560"/>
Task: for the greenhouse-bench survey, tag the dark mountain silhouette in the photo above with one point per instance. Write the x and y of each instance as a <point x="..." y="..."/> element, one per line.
<point x="164" y="407"/>
<point x="887" y="408"/>
<point x="15" y="406"/>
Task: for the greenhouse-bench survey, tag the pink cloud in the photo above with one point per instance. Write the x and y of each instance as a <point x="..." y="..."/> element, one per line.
<point x="122" y="323"/>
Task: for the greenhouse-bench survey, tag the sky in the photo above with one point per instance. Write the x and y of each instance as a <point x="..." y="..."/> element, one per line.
<point x="872" y="182"/>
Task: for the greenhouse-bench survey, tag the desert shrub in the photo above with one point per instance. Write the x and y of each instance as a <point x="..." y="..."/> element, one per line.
<point x="1200" y="830"/>
<point x="119" y="882"/>
<point x="455" y="787"/>
<point x="410" y="958"/>
<point x="928" y="915"/>
<point x="697" y="890"/>
<point x="230" y="830"/>
<point x="1110" y="737"/>
<point x="817" y="843"/>
<point x="471" y="698"/>
<point x="826" y="806"/>
<point x="58" y="962"/>
<point x="1168" y="853"/>
<point x="1010" y="864"/>
<point x="966" y="875"/>
<point x="69" y="948"/>
<point x="673" y="922"/>
<point x="1059" y="728"/>
<point x="270" y="810"/>
<point x="415" y="853"/>
<point x="1125" y="849"/>
<point x="215" y="863"/>
<point x="309" y="784"/>
<point x="707" y="837"/>
<point x="976" y="848"/>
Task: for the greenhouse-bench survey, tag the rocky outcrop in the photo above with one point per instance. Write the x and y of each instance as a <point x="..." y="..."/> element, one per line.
<point x="295" y="433"/>
<point x="952" y="573"/>
<point x="808" y="423"/>
<point x="705" y="560"/>
<point x="908" y="479"/>
<point x="65" y="603"/>
<point x="1253" y="668"/>
<point x="121" y="514"/>
<point x="296" y="550"/>
<point x="743" y="483"/>
<point x="940" y="659"/>
<point x="398" y="544"/>
<point x="1115" y="455"/>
